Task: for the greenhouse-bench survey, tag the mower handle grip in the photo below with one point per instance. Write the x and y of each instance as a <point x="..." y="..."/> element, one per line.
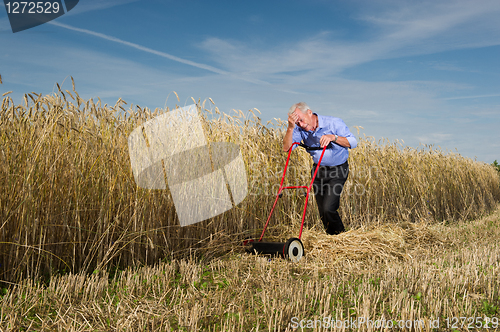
<point x="309" y="148"/>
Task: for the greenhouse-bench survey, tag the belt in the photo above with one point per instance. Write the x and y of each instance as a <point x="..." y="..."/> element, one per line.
<point x="326" y="166"/>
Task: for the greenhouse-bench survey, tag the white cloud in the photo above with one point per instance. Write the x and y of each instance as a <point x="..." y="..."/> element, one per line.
<point x="365" y="114"/>
<point x="473" y="97"/>
<point x="315" y="53"/>
<point x="408" y="28"/>
<point x="435" y="138"/>
<point x="443" y="65"/>
<point x="432" y="26"/>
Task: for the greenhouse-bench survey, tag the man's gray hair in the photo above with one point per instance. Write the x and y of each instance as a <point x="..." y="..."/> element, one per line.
<point x="301" y="106"/>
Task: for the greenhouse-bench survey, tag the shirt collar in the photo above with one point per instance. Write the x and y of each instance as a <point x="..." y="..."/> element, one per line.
<point x="321" y="121"/>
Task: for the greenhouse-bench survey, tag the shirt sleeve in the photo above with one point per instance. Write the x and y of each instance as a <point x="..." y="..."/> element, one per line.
<point x="344" y="131"/>
<point x="352" y="141"/>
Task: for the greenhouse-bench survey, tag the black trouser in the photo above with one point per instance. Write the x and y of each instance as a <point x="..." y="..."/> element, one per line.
<point x="328" y="186"/>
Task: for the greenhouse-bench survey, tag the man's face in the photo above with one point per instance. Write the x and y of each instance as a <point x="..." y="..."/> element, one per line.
<point x="304" y="121"/>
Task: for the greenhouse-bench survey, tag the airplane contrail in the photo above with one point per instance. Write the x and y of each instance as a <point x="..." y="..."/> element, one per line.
<point x="143" y="48"/>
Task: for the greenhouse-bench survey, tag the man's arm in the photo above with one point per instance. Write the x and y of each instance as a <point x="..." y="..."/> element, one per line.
<point x="288" y="139"/>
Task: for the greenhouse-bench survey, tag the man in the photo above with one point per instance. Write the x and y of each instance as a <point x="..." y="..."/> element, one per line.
<point x="317" y="130"/>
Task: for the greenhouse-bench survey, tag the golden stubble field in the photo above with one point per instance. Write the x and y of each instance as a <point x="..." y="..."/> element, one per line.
<point x="82" y="248"/>
<point x="407" y="277"/>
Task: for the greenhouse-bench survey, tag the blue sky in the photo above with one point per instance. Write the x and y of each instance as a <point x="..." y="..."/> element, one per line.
<point x="419" y="71"/>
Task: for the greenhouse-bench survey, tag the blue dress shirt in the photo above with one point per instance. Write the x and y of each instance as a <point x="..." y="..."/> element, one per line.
<point x="327" y="125"/>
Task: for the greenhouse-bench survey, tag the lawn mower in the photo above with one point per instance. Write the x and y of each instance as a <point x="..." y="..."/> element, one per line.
<point x="292" y="249"/>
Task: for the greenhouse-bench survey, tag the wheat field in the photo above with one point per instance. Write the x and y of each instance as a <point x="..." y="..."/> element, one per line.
<point x="83" y="248"/>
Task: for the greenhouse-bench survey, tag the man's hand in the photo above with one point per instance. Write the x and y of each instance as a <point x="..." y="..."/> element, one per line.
<point x="292" y="120"/>
<point x="326" y="139"/>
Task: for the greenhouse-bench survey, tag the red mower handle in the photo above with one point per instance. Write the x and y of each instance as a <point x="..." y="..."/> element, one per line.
<point x="308" y="188"/>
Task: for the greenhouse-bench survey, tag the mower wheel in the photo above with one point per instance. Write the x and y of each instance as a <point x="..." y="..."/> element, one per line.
<point x="294" y="249"/>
